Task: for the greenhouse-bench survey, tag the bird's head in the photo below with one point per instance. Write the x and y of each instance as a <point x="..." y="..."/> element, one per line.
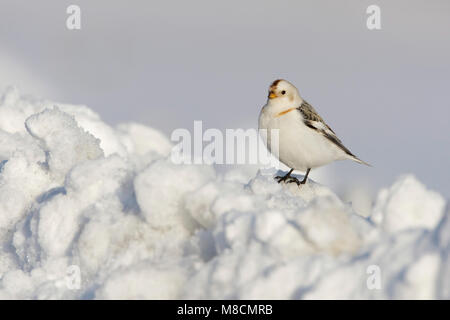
<point x="282" y="91"/>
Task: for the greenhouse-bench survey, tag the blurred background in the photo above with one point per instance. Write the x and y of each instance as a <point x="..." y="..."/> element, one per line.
<point x="167" y="63"/>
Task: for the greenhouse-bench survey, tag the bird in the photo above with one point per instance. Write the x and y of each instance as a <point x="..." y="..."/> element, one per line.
<point x="305" y="141"/>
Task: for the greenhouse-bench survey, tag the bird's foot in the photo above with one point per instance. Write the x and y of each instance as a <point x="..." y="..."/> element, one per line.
<point x="293" y="179"/>
<point x="289" y="179"/>
<point x="282" y="178"/>
<point x="298" y="182"/>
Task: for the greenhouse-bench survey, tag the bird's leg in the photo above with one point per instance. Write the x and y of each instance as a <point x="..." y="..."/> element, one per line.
<point x="306" y="176"/>
<point x="284" y="178"/>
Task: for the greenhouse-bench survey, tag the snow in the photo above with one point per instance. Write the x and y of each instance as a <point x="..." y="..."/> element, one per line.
<point x="408" y="196"/>
<point x="81" y="200"/>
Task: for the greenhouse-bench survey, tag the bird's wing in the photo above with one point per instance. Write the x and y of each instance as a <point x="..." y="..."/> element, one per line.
<point x="312" y="120"/>
<point x="310" y="114"/>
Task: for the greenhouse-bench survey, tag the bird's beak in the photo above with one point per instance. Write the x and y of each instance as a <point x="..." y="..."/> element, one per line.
<point x="272" y="95"/>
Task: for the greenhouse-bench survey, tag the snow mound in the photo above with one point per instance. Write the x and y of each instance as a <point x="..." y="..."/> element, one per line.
<point x="88" y="211"/>
<point x="402" y="206"/>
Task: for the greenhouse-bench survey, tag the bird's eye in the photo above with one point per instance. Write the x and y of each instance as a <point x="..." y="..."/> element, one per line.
<point x="283" y="92"/>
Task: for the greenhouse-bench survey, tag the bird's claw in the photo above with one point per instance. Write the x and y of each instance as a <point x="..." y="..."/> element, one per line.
<point x="280" y="178"/>
<point x="293" y="179"/>
<point x="298" y="182"/>
<point x="290" y="180"/>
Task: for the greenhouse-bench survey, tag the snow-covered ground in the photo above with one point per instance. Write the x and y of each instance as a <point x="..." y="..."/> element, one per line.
<point x="83" y="201"/>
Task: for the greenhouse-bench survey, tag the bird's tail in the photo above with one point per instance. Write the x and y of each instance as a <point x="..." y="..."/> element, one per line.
<point x="356" y="159"/>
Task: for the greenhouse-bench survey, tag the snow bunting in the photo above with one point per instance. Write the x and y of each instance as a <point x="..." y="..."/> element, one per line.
<point x="305" y="140"/>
